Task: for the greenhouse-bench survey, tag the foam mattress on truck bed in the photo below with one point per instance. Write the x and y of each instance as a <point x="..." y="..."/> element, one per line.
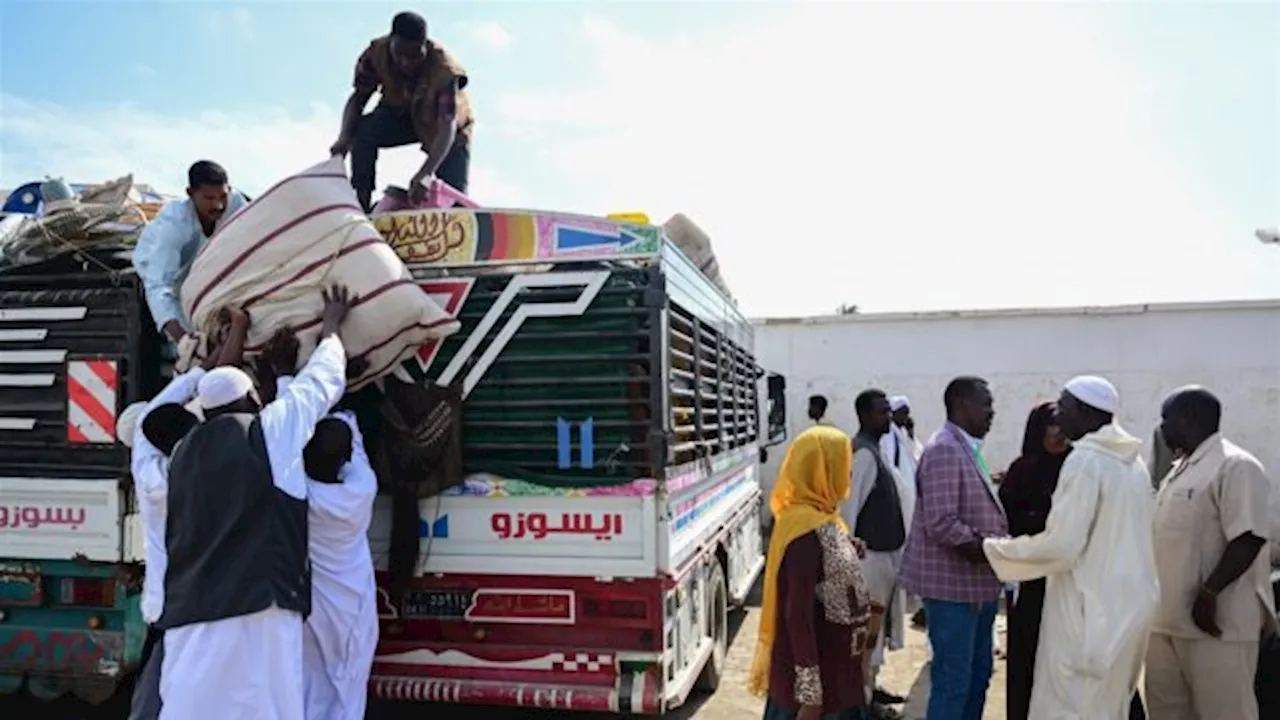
<point x="274" y="256"/>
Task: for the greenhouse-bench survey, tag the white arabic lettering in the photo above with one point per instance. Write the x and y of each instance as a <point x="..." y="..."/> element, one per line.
<point x="30" y="518"/>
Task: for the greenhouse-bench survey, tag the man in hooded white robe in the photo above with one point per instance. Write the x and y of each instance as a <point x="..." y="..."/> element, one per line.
<point x="1098" y="554"/>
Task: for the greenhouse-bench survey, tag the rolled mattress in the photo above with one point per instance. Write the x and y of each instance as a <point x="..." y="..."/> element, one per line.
<point x="275" y="256"/>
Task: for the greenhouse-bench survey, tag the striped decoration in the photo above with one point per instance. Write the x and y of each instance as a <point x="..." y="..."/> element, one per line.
<point x="91" y="401"/>
<point x="505" y="236"/>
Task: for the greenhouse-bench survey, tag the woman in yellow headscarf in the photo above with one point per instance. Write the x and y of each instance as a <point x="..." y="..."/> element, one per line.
<point x="813" y="627"/>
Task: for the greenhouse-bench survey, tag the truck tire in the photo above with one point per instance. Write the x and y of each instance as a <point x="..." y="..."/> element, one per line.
<point x="717" y="614"/>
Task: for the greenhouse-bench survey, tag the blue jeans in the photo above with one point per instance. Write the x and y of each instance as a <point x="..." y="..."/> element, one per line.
<point x="774" y="711"/>
<point x="960" y="634"/>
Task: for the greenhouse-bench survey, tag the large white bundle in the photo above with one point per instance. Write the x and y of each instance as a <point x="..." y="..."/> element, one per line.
<point x="694" y="242"/>
<point x="274" y="257"/>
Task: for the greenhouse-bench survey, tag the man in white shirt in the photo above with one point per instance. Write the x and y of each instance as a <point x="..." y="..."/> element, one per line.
<point x="152" y="430"/>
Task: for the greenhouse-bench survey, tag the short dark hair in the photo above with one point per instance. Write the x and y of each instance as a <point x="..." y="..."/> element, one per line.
<point x="960" y="389"/>
<point x="818" y="402"/>
<point x="167" y="424"/>
<point x="862" y="403"/>
<point x="328" y="450"/>
<point x="1199" y="406"/>
<point x="206" y="172"/>
<point x="410" y="27"/>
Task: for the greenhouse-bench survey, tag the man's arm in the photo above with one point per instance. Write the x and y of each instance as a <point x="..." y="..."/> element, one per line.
<point x="364" y="84"/>
<point x="289" y="422"/>
<point x="446" y="132"/>
<point x="157" y="258"/>
<point x="864" y="480"/>
<point x="1243" y="494"/>
<point x="1066" y="532"/>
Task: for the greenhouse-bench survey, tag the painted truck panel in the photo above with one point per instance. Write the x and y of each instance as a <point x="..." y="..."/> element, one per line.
<point x="60" y="519"/>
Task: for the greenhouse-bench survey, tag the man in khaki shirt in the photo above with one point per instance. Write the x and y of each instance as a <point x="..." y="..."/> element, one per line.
<point x="1211" y="526"/>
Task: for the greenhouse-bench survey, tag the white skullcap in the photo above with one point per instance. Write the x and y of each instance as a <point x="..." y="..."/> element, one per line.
<point x="222" y="386"/>
<point x="1095" y="392"/>
<point x="127" y="423"/>
<point x="899" y="402"/>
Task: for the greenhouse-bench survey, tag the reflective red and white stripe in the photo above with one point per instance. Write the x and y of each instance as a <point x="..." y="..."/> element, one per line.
<point x="91" y="401"/>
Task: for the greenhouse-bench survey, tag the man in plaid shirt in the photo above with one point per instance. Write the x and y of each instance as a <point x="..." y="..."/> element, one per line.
<point x="943" y="562"/>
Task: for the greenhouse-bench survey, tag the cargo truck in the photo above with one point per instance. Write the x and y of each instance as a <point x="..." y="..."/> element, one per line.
<point x="609" y="521"/>
<point x="612" y="438"/>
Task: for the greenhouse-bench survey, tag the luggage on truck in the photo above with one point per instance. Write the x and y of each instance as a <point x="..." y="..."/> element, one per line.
<point x="274" y="256"/>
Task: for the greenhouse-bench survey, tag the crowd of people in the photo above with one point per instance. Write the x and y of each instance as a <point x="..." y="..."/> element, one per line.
<point x="1113" y="576"/>
<point x="260" y="595"/>
<point x="256" y="495"/>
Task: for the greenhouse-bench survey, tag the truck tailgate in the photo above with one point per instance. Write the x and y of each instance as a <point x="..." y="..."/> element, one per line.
<point x="42" y="519"/>
<point x="563" y="536"/>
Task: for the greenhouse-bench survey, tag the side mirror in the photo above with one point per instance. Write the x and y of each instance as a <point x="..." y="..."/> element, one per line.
<point x="764" y="455"/>
<point x="777" y="430"/>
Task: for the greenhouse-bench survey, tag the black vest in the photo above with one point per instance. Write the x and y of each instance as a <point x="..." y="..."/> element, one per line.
<point x="237" y="545"/>
<point x="880" y="522"/>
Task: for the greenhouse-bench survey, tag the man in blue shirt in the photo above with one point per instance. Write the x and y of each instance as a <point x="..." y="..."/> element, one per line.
<point x="170" y="243"/>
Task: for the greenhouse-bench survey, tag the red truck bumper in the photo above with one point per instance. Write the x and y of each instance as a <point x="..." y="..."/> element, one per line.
<point x="632" y="693"/>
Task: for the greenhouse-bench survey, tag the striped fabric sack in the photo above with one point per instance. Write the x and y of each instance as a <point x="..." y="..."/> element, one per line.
<point x="274" y="256"/>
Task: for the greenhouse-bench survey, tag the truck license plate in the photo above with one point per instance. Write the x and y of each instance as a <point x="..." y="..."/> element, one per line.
<point x="451" y="604"/>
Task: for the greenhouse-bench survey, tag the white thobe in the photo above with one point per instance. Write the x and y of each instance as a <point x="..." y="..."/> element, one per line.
<point x="902" y="452"/>
<point x="341" y="634"/>
<point x="150" y="469"/>
<point x="250" y="667"/>
<point x="1102" y="594"/>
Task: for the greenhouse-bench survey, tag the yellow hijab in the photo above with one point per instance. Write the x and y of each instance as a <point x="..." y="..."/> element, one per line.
<point x="814" y="480"/>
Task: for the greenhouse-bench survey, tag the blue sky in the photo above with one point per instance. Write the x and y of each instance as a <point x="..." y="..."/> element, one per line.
<point x="897" y="156"/>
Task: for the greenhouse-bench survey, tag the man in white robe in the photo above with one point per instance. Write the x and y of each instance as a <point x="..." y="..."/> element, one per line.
<point x="151" y="430"/>
<point x="341" y="633"/>
<point x="902" y="452"/>
<point x="249" y="666"/>
<point x="1098" y="554"/>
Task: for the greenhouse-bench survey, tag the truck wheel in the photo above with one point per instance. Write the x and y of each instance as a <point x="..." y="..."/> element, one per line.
<point x="717" y="613"/>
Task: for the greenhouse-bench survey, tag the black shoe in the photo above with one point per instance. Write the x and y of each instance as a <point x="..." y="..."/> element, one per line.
<point x="880" y="696"/>
<point x="876" y="711"/>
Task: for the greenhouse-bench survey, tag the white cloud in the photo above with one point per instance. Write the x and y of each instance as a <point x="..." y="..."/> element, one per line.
<point x="95" y="144"/>
<point x="236" y="22"/>
<point x="899" y="155"/>
<point x="492" y="35"/>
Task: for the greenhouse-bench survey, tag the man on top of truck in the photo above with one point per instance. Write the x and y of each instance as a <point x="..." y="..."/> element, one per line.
<point x="423" y="100"/>
<point x="170" y="243"/>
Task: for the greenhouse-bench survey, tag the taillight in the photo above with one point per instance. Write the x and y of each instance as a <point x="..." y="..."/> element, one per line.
<point x="86" y="592"/>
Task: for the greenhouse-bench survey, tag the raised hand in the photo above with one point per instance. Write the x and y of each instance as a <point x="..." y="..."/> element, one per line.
<point x="337" y="303"/>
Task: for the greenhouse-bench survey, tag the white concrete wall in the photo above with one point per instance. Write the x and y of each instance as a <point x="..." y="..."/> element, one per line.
<point x="1026" y="355"/>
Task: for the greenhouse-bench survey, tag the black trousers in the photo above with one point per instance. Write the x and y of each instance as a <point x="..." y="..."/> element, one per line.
<point x="145" y="704"/>
<point x="388" y="127"/>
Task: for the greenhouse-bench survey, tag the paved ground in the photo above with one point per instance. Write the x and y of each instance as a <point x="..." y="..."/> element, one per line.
<point x="732" y="702"/>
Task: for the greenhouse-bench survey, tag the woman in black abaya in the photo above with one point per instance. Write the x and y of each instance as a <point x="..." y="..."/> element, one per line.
<point x="1027" y="493"/>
